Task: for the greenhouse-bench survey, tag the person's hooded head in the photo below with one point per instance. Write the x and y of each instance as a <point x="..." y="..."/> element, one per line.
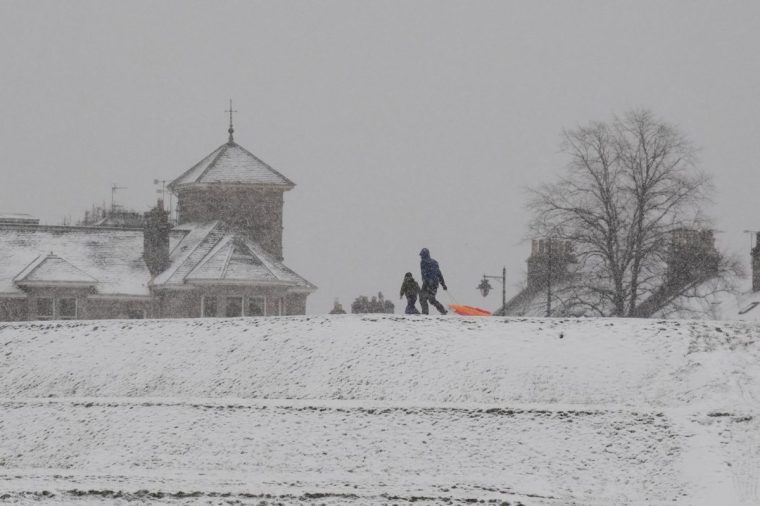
<point x="408" y="275"/>
<point x="425" y="253"/>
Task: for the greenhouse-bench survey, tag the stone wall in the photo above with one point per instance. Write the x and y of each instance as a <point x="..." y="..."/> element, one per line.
<point x="104" y="309"/>
<point x="26" y="308"/>
<point x="295" y="304"/>
<point x="156" y="239"/>
<point x="179" y="304"/>
<point x="169" y="304"/>
<point x="254" y="212"/>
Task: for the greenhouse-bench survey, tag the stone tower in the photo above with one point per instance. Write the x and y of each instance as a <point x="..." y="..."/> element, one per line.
<point x="235" y="187"/>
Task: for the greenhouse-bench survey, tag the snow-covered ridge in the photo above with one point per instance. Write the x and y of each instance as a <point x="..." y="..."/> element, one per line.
<point x="380" y="410"/>
<point x="396" y="359"/>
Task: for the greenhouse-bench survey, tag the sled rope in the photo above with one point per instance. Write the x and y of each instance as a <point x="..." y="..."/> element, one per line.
<point x="451" y="297"/>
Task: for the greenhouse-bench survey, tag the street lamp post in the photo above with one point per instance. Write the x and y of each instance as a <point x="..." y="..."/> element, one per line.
<point x="549" y="281"/>
<point x="485" y="286"/>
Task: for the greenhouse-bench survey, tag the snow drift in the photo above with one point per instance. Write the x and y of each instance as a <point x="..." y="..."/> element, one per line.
<point x="414" y="359"/>
<point x="380" y="410"/>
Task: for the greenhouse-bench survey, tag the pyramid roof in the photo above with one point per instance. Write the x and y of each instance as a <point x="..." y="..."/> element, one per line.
<point x="230" y="163"/>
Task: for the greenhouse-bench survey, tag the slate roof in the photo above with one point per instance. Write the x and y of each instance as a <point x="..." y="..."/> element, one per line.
<point x="230" y="163"/>
<point x="52" y="269"/>
<point x="110" y="260"/>
<point x="113" y="258"/>
<point x="211" y="254"/>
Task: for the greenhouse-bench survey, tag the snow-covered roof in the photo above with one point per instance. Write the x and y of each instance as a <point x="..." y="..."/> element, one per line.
<point x="232" y="164"/>
<point x="531" y="301"/>
<point x="52" y="269"/>
<point x="18" y="218"/>
<point x="713" y="300"/>
<point x="109" y="259"/>
<point x="718" y="298"/>
<point x="210" y="254"/>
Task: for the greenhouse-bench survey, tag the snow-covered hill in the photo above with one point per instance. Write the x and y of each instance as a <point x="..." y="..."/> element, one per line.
<point x="380" y="409"/>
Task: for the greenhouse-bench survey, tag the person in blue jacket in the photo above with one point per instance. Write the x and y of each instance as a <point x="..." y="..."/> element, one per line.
<point x="431" y="277"/>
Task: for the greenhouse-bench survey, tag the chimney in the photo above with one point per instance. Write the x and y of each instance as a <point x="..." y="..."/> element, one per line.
<point x="756" y="264"/>
<point x="692" y="257"/>
<point x="156" y="239"/>
<point x="549" y="256"/>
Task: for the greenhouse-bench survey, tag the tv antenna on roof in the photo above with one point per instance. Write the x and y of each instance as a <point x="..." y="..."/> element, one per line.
<point x="162" y="191"/>
<point x="114" y="188"/>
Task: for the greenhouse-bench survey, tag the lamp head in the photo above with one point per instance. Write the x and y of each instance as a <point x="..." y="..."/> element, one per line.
<point x="484" y="287"/>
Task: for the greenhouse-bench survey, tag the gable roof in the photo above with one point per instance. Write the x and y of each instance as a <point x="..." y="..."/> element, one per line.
<point x="52" y="269"/>
<point x="230" y="163"/>
<point x="210" y="254"/>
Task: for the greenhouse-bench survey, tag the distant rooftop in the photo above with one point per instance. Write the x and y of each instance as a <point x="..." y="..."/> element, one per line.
<point x="18" y="219"/>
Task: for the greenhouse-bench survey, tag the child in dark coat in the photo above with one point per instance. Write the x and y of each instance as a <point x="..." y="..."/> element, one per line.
<point x="410" y="288"/>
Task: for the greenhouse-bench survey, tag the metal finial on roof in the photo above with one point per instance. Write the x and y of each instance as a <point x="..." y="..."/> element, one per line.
<point x="231" y="130"/>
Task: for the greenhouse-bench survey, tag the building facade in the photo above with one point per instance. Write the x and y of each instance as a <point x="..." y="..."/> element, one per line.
<point x="224" y="258"/>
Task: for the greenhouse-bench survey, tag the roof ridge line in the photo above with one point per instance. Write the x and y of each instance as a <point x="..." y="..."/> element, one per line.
<point x="218" y="245"/>
<point x="188" y="171"/>
<point x="36" y="260"/>
<point x="265" y="164"/>
<point x="280" y="265"/>
<point x="229" y="256"/>
<point x="261" y="259"/>
<point x="186" y="256"/>
<point x="221" y="149"/>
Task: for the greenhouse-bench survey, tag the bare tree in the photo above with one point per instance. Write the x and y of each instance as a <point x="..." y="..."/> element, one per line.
<point x="630" y="186"/>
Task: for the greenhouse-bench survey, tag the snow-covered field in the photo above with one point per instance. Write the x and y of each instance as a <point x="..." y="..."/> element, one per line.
<point x="380" y="410"/>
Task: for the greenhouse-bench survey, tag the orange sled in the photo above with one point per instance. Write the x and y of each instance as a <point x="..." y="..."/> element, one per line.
<point x="469" y="310"/>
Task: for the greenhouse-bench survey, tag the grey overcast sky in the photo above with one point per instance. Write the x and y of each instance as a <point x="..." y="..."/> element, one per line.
<point x="404" y="124"/>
